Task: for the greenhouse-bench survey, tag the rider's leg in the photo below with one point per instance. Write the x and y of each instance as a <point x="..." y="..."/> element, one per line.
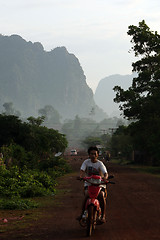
<point x="84" y="202"/>
<point x="102" y="201"/>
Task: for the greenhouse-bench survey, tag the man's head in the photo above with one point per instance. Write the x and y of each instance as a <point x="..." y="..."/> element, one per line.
<point x="93" y="148"/>
<point x="93" y="153"/>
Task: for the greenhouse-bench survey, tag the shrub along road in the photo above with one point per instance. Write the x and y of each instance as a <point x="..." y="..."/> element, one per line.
<point x="133" y="209"/>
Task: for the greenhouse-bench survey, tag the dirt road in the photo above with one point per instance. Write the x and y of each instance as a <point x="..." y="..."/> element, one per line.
<point x="133" y="210"/>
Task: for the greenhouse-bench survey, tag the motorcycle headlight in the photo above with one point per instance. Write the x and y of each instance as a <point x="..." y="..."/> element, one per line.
<point x="95" y="181"/>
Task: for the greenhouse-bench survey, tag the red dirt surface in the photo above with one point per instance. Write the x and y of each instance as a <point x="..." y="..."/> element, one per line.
<point x="133" y="209"/>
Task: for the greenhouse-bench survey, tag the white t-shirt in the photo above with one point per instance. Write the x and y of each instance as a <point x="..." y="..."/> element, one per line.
<point x="92" y="168"/>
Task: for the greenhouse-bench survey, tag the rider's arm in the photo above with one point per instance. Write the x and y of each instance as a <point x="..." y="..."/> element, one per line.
<point x="83" y="169"/>
<point x="82" y="173"/>
<point x="104" y="171"/>
<point x="105" y="176"/>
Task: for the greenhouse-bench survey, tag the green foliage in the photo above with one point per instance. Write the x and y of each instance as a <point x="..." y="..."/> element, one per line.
<point x="25" y="146"/>
<point x="25" y="183"/>
<point x="10" y="128"/>
<point x="32" y="137"/>
<point x="55" y="165"/>
<point x="121" y="143"/>
<point x="15" y="155"/>
<point x="142" y="100"/>
<point x="17" y="184"/>
<point x="36" y="121"/>
<point x="16" y="203"/>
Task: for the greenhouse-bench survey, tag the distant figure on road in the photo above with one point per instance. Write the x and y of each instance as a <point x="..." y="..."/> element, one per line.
<point x="107" y="156"/>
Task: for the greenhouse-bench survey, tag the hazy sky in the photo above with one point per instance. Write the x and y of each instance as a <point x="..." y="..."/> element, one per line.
<point x="95" y="31"/>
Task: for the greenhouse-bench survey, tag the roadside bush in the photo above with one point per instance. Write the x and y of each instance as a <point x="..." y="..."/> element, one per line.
<point x="16" y="203"/>
<point x="16" y="155"/>
<point x="35" y="183"/>
<point x="25" y="183"/>
<point x="28" y="168"/>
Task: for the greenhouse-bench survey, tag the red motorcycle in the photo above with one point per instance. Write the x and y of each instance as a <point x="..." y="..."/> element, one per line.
<point x="92" y="213"/>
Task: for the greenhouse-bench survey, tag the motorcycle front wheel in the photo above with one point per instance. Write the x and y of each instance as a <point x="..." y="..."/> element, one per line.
<point x="90" y="220"/>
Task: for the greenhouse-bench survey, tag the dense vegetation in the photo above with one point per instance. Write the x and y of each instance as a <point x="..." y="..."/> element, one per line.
<point x="139" y="140"/>
<point x="141" y="101"/>
<point x="28" y="167"/>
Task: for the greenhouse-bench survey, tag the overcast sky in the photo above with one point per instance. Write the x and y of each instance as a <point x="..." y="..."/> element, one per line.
<point x="95" y="31"/>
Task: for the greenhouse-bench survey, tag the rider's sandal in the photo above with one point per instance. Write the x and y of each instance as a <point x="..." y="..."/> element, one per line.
<point x="103" y="220"/>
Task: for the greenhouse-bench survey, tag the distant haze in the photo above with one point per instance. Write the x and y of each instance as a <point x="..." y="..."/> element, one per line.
<point x="32" y="79"/>
<point x="104" y="94"/>
<point x="95" y="31"/>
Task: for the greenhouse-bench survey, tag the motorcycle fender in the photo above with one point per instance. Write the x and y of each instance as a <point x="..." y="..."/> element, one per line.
<point x="93" y="201"/>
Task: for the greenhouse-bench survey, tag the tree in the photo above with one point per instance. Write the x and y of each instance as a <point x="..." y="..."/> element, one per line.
<point x="36" y="121"/>
<point x="142" y="100"/>
<point x="32" y="137"/>
<point x="9" y="109"/>
<point x="121" y="143"/>
<point x="10" y="129"/>
<point x="92" y="141"/>
<point x="51" y="115"/>
<point x="143" y="97"/>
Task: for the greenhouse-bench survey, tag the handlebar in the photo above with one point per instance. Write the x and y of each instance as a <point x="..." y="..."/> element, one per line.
<point x="110" y="176"/>
<point x="111" y="182"/>
<point x="95" y="177"/>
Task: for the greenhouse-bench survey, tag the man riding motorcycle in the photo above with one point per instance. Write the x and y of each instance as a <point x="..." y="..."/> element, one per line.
<point x="93" y="166"/>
